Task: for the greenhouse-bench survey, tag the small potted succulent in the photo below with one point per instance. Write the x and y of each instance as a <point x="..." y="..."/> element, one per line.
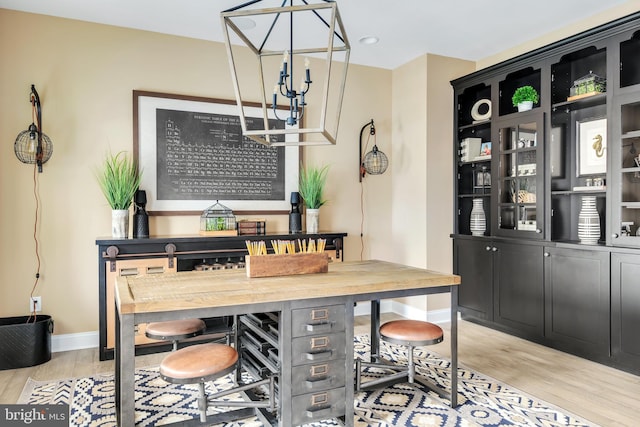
<point x="524" y="97"/>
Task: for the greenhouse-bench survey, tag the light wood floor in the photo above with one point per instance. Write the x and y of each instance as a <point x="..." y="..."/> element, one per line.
<point x="600" y="394"/>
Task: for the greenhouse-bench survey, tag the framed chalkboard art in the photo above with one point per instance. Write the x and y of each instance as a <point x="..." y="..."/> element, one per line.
<point x="192" y="152"/>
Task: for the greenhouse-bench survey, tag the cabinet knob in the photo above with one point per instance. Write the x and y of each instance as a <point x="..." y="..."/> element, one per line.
<point x="488" y="248"/>
<point x="614" y="235"/>
<point x="494" y="249"/>
<point x="547" y="254"/>
<point x="538" y="230"/>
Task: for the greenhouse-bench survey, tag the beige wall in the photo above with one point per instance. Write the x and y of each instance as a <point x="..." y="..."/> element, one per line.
<point x="423" y="175"/>
<point x="85" y="74"/>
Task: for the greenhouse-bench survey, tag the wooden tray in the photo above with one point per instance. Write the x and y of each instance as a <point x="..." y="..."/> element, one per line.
<point x="286" y="265"/>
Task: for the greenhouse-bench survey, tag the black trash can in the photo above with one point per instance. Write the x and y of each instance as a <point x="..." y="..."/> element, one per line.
<point x="24" y="342"/>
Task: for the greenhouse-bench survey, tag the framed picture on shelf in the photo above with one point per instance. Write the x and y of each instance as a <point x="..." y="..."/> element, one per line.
<point x="485" y="149"/>
<point x="592" y="146"/>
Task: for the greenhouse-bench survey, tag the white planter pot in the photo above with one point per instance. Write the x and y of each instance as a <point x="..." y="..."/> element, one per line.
<point x="313" y="218"/>
<point x="525" y="106"/>
<point x="120" y="223"/>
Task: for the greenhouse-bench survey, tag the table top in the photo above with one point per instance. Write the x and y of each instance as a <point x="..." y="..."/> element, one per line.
<point x="220" y="288"/>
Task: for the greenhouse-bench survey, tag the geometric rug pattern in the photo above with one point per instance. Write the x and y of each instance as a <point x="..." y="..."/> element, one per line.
<point x="483" y="402"/>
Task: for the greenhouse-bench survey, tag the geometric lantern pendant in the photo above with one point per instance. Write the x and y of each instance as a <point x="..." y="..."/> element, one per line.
<point x="291" y="54"/>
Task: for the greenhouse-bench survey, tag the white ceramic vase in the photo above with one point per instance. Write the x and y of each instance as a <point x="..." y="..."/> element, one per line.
<point x="525" y="106"/>
<point x="589" y="222"/>
<point x="478" y="220"/>
<point x="313" y="218"/>
<point x="120" y="223"/>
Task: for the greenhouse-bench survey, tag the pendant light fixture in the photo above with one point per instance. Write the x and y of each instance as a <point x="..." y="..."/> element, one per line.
<point x="375" y="162"/>
<point x="300" y="53"/>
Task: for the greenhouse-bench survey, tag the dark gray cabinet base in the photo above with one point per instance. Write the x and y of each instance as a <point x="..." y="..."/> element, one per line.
<point x="581" y="299"/>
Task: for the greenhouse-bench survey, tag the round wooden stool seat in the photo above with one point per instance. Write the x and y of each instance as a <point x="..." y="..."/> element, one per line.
<point x="175" y="329"/>
<point x="411" y="332"/>
<point x="198" y="363"/>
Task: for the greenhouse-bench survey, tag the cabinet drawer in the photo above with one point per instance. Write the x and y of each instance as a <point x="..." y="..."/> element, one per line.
<point x="318" y="406"/>
<point x="318" y="348"/>
<point x="318" y="320"/>
<point x="318" y="376"/>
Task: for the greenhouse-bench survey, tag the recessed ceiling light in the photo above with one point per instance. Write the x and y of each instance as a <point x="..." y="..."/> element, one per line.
<point x="369" y="40"/>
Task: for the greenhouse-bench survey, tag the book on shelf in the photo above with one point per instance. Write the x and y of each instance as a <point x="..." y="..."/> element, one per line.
<point x="251" y="227"/>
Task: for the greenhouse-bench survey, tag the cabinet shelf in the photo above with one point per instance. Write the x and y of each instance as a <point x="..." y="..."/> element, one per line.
<point x="576" y="104"/>
<point x="597" y="192"/>
<point x="475" y="124"/>
<point x="631" y="135"/>
<point x="465" y="196"/>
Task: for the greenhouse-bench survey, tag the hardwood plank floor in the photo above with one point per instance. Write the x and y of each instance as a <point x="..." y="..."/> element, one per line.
<point x="600" y="394"/>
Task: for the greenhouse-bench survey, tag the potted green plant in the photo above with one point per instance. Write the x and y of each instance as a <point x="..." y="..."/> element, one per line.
<point x="524" y="97"/>
<point x="311" y="187"/>
<point x="119" y="178"/>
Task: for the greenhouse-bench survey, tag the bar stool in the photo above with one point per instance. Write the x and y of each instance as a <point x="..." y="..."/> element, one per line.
<point x="409" y="333"/>
<point x="200" y="363"/>
<point x="175" y="330"/>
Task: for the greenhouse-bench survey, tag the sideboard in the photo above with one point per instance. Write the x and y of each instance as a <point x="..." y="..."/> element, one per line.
<point x="135" y="257"/>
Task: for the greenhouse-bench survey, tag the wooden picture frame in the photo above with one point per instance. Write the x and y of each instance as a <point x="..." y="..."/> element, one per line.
<point x="192" y="153"/>
<point x="592" y="147"/>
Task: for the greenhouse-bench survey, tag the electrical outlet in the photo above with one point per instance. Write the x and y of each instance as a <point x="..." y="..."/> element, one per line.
<point x="35" y="304"/>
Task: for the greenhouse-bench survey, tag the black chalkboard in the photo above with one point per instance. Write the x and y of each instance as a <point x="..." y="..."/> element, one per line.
<point x="203" y="156"/>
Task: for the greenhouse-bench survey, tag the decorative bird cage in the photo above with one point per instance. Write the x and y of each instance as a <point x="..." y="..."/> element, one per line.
<point x="218" y="220"/>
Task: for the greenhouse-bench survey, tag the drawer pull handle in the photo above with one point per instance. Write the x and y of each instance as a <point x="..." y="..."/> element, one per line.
<point x="319" y="314"/>
<point x="321" y="382"/>
<point x="319" y="327"/>
<point x="324" y="411"/>
<point x="320" y="355"/>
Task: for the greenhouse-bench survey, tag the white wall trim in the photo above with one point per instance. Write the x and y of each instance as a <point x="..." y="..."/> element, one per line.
<point x="67" y="342"/>
<point x="78" y="341"/>
<point x="404" y="310"/>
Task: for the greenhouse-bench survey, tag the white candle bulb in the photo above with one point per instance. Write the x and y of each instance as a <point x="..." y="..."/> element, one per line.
<point x="306" y="63"/>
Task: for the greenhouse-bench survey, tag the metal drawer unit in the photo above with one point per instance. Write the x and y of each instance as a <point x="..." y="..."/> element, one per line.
<point x="318" y="363"/>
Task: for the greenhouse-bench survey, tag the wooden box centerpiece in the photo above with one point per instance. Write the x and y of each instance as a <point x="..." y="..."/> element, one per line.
<point x="286" y="264"/>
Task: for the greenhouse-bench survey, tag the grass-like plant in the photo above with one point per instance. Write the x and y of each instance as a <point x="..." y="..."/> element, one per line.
<point x="311" y="186"/>
<point x="119" y="179"/>
<point x="524" y="93"/>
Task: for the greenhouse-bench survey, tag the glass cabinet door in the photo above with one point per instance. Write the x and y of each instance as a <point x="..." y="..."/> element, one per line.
<point x="520" y="192"/>
<point x="625" y="174"/>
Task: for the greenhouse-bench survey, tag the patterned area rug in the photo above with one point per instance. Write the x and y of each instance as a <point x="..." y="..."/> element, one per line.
<point x="482" y="401"/>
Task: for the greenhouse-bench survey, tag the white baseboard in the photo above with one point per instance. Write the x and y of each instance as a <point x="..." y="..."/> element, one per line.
<point x="78" y="341"/>
<point x="83" y="340"/>
<point x="404" y="310"/>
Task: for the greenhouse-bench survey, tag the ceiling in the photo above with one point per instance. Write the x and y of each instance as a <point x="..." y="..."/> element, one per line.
<point x="467" y="29"/>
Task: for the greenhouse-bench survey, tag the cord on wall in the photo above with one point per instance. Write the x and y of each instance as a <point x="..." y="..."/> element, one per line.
<point x="36" y="191"/>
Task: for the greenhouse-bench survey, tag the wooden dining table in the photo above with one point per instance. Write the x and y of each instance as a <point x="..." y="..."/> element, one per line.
<point x="230" y="292"/>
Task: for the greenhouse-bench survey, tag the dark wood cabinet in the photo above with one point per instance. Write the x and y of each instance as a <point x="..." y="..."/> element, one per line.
<point x="518" y="292"/>
<point x="577" y="300"/>
<point x="473" y="261"/>
<point x="560" y="190"/>
<point x="117" y="257"/>
<point x="625" y="310"/>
